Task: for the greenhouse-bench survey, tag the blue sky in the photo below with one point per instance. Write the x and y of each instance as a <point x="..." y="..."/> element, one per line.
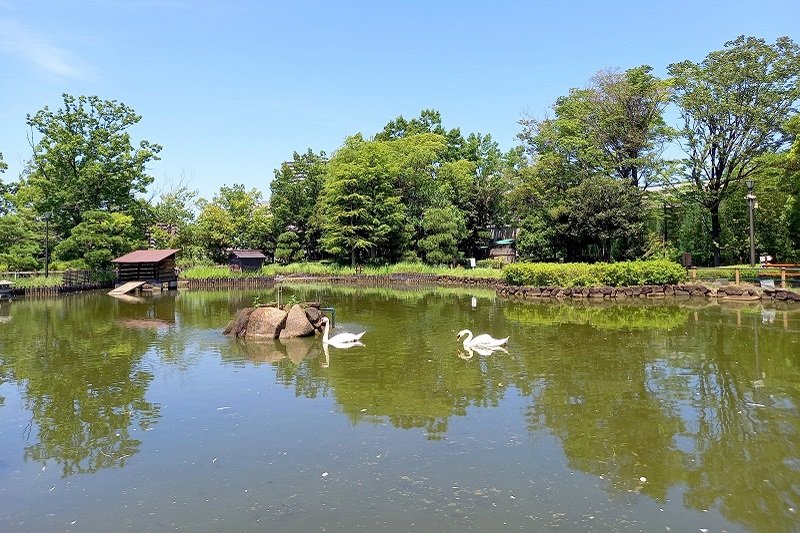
<point x="232" y="88"/>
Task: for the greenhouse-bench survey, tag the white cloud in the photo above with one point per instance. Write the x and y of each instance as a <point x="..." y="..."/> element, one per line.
<point x="29" y="46"/>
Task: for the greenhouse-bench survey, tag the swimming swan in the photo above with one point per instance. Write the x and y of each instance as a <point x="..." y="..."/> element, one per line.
<point x="481" y="341"/>
<point x="342" y="340"/>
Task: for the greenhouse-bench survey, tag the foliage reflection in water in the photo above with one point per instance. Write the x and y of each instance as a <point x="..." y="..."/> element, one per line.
<point x="599" y="416"/>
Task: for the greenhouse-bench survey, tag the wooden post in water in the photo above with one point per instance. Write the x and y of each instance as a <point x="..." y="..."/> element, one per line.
<point x="783" y="277"/>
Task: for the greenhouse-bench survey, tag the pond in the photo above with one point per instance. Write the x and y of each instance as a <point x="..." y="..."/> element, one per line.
<point x="645" y="416"/>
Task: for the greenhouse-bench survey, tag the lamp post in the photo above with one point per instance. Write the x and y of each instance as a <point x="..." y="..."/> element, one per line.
<point x="751" y="199"/>
<point x="47" y="216"/>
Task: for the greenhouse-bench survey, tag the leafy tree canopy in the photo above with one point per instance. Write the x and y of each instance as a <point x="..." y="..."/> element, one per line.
<point x="85" y="161"/>
<point x="733" y="105"/>
<point x="97" y="240"/>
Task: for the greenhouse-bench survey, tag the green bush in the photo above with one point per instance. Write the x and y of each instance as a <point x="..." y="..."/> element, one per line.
<point x="496" y="264"/>
<point x="586" y="275"/>
<point x="551" y="274"/>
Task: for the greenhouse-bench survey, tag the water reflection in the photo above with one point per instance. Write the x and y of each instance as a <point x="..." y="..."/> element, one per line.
<point x="83" y="381"/>
<point x="697" y="401"/>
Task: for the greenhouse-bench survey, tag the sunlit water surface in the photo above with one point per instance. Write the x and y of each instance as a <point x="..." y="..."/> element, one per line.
<point x="638" y="417"/>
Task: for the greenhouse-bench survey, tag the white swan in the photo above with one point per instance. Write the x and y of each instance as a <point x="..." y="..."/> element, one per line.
<point x="341" y="340"/>
<point x="481" y="341"/>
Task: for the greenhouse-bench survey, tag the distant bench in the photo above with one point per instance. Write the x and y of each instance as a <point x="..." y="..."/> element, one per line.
<point x="788" y="270"/>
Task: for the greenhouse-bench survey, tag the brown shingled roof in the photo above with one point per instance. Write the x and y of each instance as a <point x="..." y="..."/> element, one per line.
<point x="248" y="254"/>
<point x="145" y="256"/>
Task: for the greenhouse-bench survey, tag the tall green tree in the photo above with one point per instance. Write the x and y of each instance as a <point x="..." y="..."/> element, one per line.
<point x="295" y="191"/>
<point x="607" y="214"/>
<point x="443" y="228"/>
<point x="20" y="241"/>
<point x="615" y="127"/>
<point x="288" y="249"/>
<point x="733" y="105"/>
<point x="84" y="160"/>
<point x="362" y="212"/>
<point x="429" y="121"/>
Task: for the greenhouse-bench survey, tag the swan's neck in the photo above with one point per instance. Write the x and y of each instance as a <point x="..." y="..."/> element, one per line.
<point x="469" y="338"/>
<point x="327" y="329"/>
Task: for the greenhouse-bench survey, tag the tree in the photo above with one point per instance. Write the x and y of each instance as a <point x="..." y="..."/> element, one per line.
<point x="443" y="228"/>
<point x="20" y="244"/>
<point x="362" y="212"/>
<point x="613" y="128"/>
<point x="85" y="161"/>
<point x="173" y="218"/>
<point x="215" y="230"/>
<point x="295" y="192"/>
<point x="98" y="239"/>
<point x="536" y="238"/>
<point x="605" y="213"/>
<point x="235" y="218"/>
<point x="733" y="105"/>
<point x="288" y="249"/>
<point x="429" y="121"/>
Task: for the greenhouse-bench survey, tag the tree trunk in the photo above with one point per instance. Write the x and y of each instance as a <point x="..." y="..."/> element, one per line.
<point x="716" y="232"/>
<point x="353" y="257"/>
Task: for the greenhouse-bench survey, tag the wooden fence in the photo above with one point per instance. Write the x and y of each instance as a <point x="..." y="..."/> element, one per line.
<point x="780" y="276"/>
<point x="71" y="281"/>
<point x="61" y="289"/>
<point x="259" y="282"/>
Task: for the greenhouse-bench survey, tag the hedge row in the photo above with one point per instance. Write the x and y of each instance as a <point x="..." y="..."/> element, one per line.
<point x="597" y="274"/>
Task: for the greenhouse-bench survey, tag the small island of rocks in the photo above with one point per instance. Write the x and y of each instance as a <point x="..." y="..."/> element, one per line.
<point x="276" y="322"/>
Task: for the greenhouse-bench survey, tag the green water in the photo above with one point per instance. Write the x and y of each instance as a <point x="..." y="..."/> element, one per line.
<point x="142" y="416"/>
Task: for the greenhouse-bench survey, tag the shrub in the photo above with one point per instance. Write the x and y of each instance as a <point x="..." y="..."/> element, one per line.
<point x="496" y="264"/>
<point x="586" y="275"/>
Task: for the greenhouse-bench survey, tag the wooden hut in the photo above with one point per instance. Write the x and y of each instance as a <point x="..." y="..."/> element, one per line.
<point x="156" y="267"/>
<point x="246" y="260"/>
<point x="504" y="250"/>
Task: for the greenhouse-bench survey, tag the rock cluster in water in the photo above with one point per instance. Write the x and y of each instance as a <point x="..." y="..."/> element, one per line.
<point x="274" y="322"/>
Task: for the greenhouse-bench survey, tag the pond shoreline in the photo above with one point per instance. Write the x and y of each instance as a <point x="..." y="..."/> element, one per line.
<point x="730" y="293"/>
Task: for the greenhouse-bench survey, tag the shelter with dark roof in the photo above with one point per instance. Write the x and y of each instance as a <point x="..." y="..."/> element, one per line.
<point x="246" y="260"/>
<point x="156" y="267"/>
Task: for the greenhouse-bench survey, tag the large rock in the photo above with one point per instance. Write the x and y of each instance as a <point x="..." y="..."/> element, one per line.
<point x="297" y="324"/>
<point x="265" y="323"/>
<point x="313" y="314"/>
<point x="238" y="326"/>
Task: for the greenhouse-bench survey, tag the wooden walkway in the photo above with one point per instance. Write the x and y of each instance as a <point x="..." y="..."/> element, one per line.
<point x="126" y="288"/>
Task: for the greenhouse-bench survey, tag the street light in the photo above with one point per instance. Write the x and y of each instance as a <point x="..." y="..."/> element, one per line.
<point x="47" y="216"/>
<point x="751" y="199"/>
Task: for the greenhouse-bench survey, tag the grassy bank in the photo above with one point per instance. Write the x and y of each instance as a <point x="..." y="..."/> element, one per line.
<point x="35" y="282"/>
<point x="324" y="269"/>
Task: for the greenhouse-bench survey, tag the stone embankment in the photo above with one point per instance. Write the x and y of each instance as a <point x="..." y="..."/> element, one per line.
<point x="728" y="293"/>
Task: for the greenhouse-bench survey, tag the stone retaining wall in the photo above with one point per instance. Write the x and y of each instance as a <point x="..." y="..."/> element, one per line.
<point x="729" y="293"/>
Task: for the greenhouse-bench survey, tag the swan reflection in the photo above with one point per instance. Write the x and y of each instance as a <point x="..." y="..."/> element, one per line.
<point x="470" y="351"/>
